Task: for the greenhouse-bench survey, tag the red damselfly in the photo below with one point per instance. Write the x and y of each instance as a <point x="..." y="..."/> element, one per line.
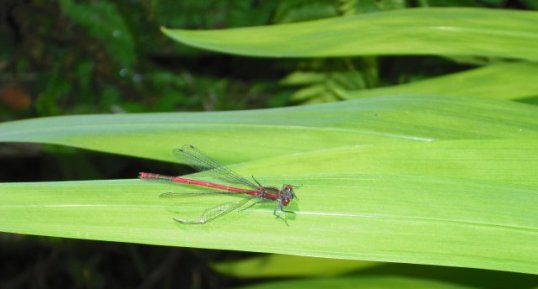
<point x="253" y="190"/>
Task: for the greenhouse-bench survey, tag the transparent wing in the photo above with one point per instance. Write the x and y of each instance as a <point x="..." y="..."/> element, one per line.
<point x="202" y="162"/>
<point x="215" y="212"/>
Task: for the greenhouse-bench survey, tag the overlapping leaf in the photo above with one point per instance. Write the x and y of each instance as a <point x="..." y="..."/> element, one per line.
<point x="447" y="181"/>
<point x="441" y="31"/>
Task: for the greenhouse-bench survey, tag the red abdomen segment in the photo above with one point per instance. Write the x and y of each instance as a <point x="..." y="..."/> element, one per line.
<point x="150" y="176"/>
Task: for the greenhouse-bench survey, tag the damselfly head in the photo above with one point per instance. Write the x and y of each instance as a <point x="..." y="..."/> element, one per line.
<point x="286" y="195"/>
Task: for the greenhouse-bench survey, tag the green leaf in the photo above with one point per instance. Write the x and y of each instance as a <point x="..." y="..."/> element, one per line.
<point x="246" y="135"/>
<point x="371" y="282"/>
<point x="276" y="265"/>
<point x="468" y="203"/>
<point x="437" y="31"/>
<point x="501" y="81"/>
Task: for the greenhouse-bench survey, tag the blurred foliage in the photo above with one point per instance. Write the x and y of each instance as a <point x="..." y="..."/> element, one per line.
<point x="323" y="79"/>
<point x="69" y="57"/>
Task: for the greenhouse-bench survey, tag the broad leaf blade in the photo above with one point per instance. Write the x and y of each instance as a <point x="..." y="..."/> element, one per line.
<point x="500" y="81"/>
<point x="457" y="203"/>
<point x="438" y="31"/>
<point x="273" y="132"/>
